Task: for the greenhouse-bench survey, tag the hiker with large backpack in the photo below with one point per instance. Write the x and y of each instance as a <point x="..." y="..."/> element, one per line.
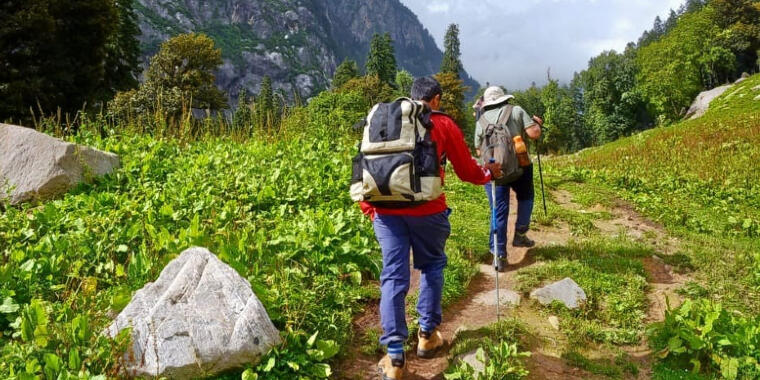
<point x="501" y="135"/>
<point x="398" y="178"/>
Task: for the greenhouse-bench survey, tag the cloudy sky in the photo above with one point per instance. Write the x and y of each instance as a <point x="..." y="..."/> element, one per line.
<point x="514" y="42"/>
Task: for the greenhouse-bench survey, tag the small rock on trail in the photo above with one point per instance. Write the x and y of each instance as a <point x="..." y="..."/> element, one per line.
<point x="565" y="291"/>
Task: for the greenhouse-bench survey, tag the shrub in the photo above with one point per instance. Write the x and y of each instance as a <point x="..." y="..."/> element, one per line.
<point x="705" y="337"/>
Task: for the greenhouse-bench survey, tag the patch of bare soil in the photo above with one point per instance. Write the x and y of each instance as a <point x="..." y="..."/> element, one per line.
<point x="664" y="285"/>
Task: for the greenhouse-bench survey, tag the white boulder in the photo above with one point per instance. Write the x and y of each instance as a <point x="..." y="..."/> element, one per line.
<point x="703" y="100"/>
<point x="35" y="166"/>
<point x="565" y="291"/>
<point x="199" y="318"/>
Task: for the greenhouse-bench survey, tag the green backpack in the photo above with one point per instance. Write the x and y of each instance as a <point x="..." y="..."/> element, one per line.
<point x="498" y="145"/>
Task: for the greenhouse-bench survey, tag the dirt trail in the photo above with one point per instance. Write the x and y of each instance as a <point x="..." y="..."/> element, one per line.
<point x="467" y="314"/>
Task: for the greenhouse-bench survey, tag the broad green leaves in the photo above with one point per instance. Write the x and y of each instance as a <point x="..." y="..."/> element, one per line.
<point x="704" y="336"/>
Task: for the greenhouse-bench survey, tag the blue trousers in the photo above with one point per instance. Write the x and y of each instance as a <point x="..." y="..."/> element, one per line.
<point x="426" y="236"/>
<point x="524" y="191"/>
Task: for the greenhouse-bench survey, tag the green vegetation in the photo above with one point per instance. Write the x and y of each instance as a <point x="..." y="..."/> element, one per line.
<point x="698" y="178"/>
<point x="497" y="347"/>
<point x="180" y="78"/>
<point x="347" y="70"/>
<point x="611" y="274"/>
<point x="74" y="259"/>
<point x="705" y="337"/>
<point x="68" y="264"/>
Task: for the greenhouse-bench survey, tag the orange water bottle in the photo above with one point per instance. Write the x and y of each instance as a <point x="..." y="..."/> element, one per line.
<point x="522" y="151"/>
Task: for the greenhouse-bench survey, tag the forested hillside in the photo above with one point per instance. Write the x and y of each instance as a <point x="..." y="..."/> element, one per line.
<point x="652" y="82"/>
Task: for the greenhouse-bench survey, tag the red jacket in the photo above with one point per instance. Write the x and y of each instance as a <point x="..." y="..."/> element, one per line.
<point x="449" y="141"/>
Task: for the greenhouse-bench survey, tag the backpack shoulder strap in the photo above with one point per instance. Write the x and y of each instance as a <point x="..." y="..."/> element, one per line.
<point x="505" y="114"/>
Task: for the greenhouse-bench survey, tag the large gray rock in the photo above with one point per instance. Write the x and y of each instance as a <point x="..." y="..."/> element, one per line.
<point x="703" y="100"/>
<point x="35" y="166"/>
<point x="565" y="291"/>
<point x="199" y="318"/>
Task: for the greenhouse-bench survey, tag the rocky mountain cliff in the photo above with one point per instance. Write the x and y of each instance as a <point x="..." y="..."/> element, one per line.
<point x="298" y="43"/>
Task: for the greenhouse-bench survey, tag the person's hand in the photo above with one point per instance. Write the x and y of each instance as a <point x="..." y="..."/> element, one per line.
<point x="495" y="169"/>
<point x="538" y="120"/>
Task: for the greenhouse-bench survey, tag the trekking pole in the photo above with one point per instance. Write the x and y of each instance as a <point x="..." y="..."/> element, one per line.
<point x="495" y="243"/>
<point x="541" y="175"/>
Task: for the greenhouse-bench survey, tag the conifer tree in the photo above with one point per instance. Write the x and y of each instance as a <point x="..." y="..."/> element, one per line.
<point x="265" y="102"/>
<point x="122" y="62"/>
<point x="346" y="71"/>
<point x="452" y="55"/>
<point x="49" y="59"/>
<point x="381" y="61"/>
<point x="241" y="119"/>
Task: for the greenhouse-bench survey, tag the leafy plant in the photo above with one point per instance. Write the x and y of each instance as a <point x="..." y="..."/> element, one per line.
<point x="704" y="337"/>
<point x="298" y="359"/>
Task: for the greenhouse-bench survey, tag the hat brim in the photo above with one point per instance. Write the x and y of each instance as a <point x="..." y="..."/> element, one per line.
<point x="498" y="101"/>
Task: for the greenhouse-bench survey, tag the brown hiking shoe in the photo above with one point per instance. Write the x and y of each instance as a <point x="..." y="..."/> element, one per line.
<point x="429" y="344"/>
<point x="391" y="369"/>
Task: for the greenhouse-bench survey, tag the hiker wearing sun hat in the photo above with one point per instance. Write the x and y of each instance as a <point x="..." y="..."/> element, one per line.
<point x="497" y="110"/>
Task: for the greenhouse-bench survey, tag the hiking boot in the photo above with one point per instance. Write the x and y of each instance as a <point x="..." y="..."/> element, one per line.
<point x="501" y="264"/>
<point x="522" y="240"/>
<point x="429" y="343"/>
<point x="391" y="369"/>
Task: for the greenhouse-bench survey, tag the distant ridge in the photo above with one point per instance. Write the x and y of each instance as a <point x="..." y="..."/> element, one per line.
<point x="298" y="43"/>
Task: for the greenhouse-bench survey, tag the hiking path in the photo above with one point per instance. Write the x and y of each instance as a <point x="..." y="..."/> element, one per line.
<point x="546" y="343"/>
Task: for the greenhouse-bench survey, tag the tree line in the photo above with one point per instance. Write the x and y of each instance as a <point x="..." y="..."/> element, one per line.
<point x="703" y="44"/>
<point x="63" y="56"/>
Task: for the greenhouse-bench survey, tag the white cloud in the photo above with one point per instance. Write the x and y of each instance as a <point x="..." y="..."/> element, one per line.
<point x="438" y="8"/>
<point x="514" y="42"/>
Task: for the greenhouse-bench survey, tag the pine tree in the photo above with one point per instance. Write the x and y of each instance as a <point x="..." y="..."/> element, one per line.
<point x="381" y="61"/>
<point x="671" y="22"/>
<point x="452" y="56"/>
<point x="346" y="71"/>
<point x="265" y="103"/>
<point x="122" y="62"/>
<point x="658" y="29"/>
<point x="241" y="119"/>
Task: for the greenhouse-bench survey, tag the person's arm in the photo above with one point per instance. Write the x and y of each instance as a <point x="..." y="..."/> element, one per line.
<point x="478" y="137"/>
<point x="465" y="167"/>
<point x="532" y="125"/>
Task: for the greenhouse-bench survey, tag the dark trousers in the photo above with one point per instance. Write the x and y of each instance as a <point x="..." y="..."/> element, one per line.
<point x="523" y="188"/>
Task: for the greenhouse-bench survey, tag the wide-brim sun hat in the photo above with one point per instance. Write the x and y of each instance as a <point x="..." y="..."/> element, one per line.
<point x="494" y="95"/>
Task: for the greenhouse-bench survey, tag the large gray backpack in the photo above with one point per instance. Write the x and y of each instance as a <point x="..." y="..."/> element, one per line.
<point x="397" y="165"/>
<point x="498" y="144"/>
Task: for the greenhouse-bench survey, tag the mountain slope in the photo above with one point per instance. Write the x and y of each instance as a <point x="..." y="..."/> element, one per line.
<point x="298" y="43"/>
